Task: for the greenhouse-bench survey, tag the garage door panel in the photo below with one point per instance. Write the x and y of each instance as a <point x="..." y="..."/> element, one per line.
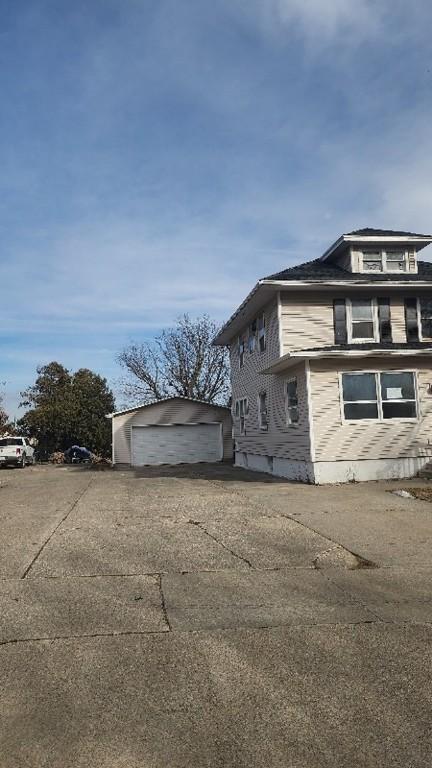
<point x="176" y="444"/>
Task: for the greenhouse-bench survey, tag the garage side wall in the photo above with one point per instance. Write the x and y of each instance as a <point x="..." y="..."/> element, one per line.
<point x="171" y="412"/>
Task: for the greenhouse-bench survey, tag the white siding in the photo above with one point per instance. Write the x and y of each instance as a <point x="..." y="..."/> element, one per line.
<point x="337" y="441"/>
<point x="307" y="318"/>
<point x="169" y="412"/>
<point x="280" y="440"/>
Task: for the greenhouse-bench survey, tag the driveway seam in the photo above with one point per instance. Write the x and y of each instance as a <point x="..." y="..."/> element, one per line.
<point x="29" y="567"/>
<point x="163" y="604"/>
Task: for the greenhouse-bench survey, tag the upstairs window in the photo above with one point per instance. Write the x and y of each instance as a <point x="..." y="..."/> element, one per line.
<point x="241" y="351"/>
<point x="372" y="261"/>
<point x="261" y="333"/>
<point x="252" y="337"/>
<point x="262" y="410"/>
<point x="384" y="261"/>
<point x="362" y="320"/>
<point x="425" y="316"/>
<point x="292" y="409"/>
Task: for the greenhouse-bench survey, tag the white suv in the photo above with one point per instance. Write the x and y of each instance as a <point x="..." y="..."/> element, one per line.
<point x="16" y="451"/>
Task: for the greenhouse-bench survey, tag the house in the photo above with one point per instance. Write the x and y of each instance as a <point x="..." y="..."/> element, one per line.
<point x="176" y="430"/>
<point x="331" y="363"/>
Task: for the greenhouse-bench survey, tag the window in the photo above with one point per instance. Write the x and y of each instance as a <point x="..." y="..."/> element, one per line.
<point x="384" y="261"/>
<point x="261" y="333"/>
<point x="292" y="409"/>
<point x="379" y="396"/>
<point x="241" y="411"/>
<point x="396" y="261"/>
<point x="252" y="337"/>
<point x="425" y="312"/>
<point x="363" y="320"/>
<point x="372" y="261"/>
<point x="262" y="410"/>
<point x="241" y="351"/>
<point x="360" y="396"/>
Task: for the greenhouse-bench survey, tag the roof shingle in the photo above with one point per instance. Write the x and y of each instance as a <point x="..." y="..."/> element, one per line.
<point x="321" y="271"/>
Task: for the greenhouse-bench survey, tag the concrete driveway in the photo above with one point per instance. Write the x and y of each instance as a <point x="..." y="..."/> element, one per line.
<point x="214" y="617"/>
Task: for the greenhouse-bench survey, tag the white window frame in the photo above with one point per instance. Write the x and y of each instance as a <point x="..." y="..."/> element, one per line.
<point x="375" y="320"/>
<point x="261" y="332"/>
<point x="241" y="417"/>
<point x="241" y="354"/>
<point x="384" y="265"/>
<point x="263" y="427"/>
<point x="288" y="408"/>
<point x="419" y="322"/>
<point x="380" y="419"/>
<point x="252" y="337"/>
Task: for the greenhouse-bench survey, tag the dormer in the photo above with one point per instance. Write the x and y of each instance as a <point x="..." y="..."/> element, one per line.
<point x="377" y="251"/>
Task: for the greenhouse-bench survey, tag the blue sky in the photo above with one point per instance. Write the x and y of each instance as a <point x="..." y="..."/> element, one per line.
<point x="159" y="156"/>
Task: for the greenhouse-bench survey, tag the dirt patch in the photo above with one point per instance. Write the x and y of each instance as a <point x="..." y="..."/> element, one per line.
<point x="425" y="494"/>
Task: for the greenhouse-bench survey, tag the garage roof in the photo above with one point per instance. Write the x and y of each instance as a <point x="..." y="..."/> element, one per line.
<point x="166" y="400"/>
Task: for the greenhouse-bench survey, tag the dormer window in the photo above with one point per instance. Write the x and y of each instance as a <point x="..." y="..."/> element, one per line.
<point x="384" y="261"/>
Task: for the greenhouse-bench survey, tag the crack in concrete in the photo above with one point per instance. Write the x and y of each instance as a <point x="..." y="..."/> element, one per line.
<point x="243" y="628"/>
<point x="355" y="598"/>
<point x="200" y="525"/>
<point x="39" y="552"/>
<point x="163" y="604"/>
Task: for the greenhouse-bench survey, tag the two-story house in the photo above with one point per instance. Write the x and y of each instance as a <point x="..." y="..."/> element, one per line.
<point x="331" y="363"/>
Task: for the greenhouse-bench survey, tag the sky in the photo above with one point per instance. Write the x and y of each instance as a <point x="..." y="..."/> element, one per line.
<point x="158" y="157"/>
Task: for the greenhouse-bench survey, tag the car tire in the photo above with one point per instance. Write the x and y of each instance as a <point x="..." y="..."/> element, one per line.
<point x="23" y="462"/>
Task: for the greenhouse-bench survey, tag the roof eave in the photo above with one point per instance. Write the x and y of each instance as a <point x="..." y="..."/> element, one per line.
<point x="421" y="241"/>
<point x="293" y="358"/>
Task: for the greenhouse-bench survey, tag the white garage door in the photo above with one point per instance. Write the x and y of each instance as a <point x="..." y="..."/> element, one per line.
<point x="176" y="444"/>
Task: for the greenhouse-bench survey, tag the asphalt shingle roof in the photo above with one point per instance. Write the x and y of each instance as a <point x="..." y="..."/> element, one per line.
<point x="322" y="271"/>
<point x="370" y="346"/>
<point x="369" y="231"/>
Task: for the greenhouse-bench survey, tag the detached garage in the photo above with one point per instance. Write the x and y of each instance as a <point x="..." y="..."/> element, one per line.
<point x="172" y="431"/>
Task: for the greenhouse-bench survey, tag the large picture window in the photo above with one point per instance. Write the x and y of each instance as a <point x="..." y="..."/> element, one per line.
<point x="379" y="396"/>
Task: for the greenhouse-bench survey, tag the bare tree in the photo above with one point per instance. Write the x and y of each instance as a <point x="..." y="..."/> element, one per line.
<point x="4" y="419"/>
<point x="181" y="361"/>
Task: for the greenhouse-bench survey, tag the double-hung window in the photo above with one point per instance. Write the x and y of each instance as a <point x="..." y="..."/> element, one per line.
<point x="425" y="315"/>
<point x="291" y="402"/>
<point x="363" y="320"/>
<point x="252" y="337"/>
<point x="241" y="351"/>
<point x="384" y="261"/>
<point x="379" y="396"/>
<point x="241" y="411"/>
<point x="261" y="333"/>
<point x="262" y="410"/>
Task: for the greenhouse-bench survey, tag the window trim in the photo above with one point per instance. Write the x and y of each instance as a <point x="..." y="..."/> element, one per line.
<point x="261" y="332"/>
<point x="379" y="401"/>
<point x="241" y="355"/>
<point x="287" y="419"/>
<point x="263" y="427"/>
<point x="238" y="415"/>
<point x="375" y="321"/>
<point x="419" y="321"/>
<point x="252" y="334"/>
<point x="384" y="269"/>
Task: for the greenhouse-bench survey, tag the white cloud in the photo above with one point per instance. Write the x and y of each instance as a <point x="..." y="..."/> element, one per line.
<point x="318" y="20"/>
